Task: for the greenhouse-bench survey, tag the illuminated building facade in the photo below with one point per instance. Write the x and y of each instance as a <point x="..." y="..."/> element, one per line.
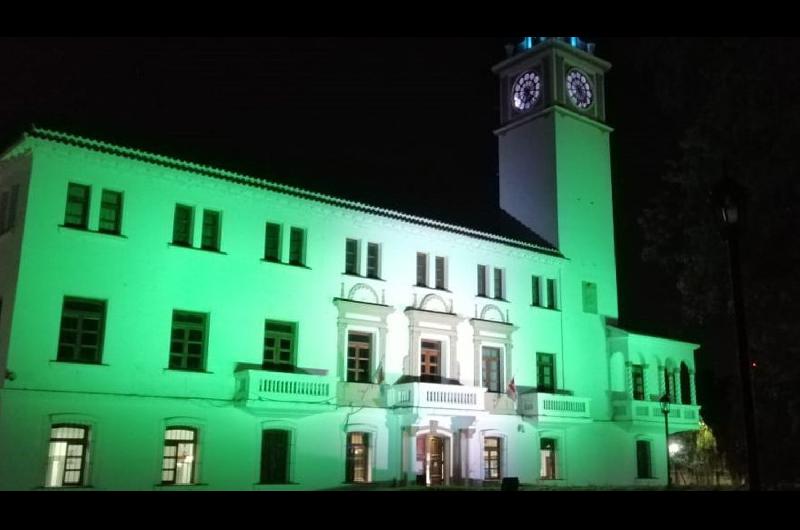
<point x="165" y="325"/>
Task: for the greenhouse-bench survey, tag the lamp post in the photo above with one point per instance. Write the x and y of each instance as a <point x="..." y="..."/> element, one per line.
<point x="665" y="411"/>
<point x="730" y="201"/>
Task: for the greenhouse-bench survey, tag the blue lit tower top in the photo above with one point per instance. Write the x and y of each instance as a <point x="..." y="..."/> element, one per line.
<point x="529" y="42"/>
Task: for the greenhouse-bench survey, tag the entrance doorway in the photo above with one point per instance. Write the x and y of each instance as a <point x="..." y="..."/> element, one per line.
<point x="432" y="455"/>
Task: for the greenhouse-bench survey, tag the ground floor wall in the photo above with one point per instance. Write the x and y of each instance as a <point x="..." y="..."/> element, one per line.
<point x="126" y="444"/>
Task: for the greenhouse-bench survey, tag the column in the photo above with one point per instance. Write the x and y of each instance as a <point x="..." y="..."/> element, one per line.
<point x="692" y="389"/>
<point x="676" y="378"/>
<point x="628" y="380"/>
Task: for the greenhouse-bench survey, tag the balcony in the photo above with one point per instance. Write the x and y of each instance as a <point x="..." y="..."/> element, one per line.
<point x="455" y="398"/>
<point x="682" y="417"/>
<point x="261" y="389"/>
<point x="555" y="407"/>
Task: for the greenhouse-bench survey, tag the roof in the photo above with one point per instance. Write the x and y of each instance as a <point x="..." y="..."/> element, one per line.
<point x="480" y="221"/>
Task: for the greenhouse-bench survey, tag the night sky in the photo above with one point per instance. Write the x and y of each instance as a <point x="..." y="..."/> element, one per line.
<point x="403" y="123"/>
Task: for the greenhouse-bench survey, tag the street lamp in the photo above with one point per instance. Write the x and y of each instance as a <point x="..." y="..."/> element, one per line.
<point x="730" y="200"/>
<point x="665" y="411"/>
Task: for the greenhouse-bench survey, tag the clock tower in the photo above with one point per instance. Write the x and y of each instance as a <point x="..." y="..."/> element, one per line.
<point x="555" y="174"/>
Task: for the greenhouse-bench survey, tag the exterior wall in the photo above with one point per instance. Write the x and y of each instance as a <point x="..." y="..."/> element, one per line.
<point x="131" y="397"/>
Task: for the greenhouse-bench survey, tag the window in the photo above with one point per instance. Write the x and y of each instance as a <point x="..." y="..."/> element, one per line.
<point x="180" y="456"/>
<point x="551" y="294"/>
<point x="492" y="369"/>
<point x="482" y="280"/>
<point x="589" y="297"/>
<point x="669" y="385"/>
<point x="637" y="375"/>
<point x="547" y="455"/>
<point x="351" y="261"/>
<point x="499" y="284"/>
<point x="422" y="269"/>
<point x="357" y="457"/>
<point x="491" y="458"/>
<point x="211" y="230"/>
<point x="536" y="291"/>
<point x="430" y="361"/>
<point x="111" y="212"/>
<point x="545" y="371"/>
<point x="441" y="280"/>
<point x="373" y="260"/>
<point x="297" y="244"/>
<point x="275" y="457"/>
<point x="272" y="246"/>
<point x="77" y="214"/>
<point x="81" y="337"/>
<point x="182" y="227"/>
<point x="279" y="346"/>
<point x="643" y="469"/>
<point x="67" y="455"/>
<point x="187" y="347"/>
<point x="359" y="352"/>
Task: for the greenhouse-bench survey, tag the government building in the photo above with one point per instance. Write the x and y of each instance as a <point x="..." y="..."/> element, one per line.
<point x="171" y="326"/>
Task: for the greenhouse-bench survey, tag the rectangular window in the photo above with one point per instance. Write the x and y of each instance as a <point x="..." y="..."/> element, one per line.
<point x="536" y="291"/>
<point x="643" y="469"/>
<point x="430" y="361"/>
<point x="357" y="457"/>
<point x="180" y="455"/>
<point x="482" y="280"/>
<point x="182" y="226"/>
<point x="187" y="347"/>
<point x="275" y="457"/>
<point x="351" y="257"/>
<point x="441" y="273"/>
<point x="77" y="214"/>
<point x="81" y="337"/>
<point x="279" y="345"/>
<point x="492" y="377"/>
<point x="111" y="212"/>
<point x="272" y="246"/>
<point x="67" y="455"/>
<point x="373" y="260"/>
<point x="297" y="246"/>
<point x="547" y="455"/>
<point x="589" y="297"/>
<point x="551" y="294"/>
<point x="491" y="458"/>
<point x="499" y="284"/>
<point x="545" y="371"/>
<point x="359" y="353"/>
<point x="422" y="269"/>
<point x="211" y="230"/>
<point x="637" y="374"/>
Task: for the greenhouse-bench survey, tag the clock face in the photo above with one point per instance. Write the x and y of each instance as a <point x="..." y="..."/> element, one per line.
<point x="527" y="90"/>
<point x="579" y="89"/>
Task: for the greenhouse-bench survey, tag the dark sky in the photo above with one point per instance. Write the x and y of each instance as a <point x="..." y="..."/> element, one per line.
<point x="405" y="123"/>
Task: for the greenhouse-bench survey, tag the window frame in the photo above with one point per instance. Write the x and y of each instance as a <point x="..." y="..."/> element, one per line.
<point x="498" y="371"/>
<point x="551" y="287"/>
<point x="497" y="452"/>
<point x="297" y="256"/>
<point x="189" y="242"/>
<point x="637" y="383"/>
<point x="81" y="316"/>
<point x="482" y="280"/>
<point x="536" y="290"/>
<point x="116" y="228"/>
<point x="440" y="273"/>
<point x="177" y="443"/>
<point x="541" y="368"/>
<point x="373" y="270"/>
<point x="277" y="364"/>
<point x="422" y="269"/>
<point x="188" y="327"/>
<point x="85" y="205"/>
<point x="544" y="472"/>
<point x="499" y="283"/>
<point x="276" y="228"/>
<point x="84" y="456"/>
<point x="211" y="233"/>
<point x="351" y="459"/>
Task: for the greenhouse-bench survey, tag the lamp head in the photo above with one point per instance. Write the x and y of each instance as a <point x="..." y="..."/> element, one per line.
<point x="664" y="404"/>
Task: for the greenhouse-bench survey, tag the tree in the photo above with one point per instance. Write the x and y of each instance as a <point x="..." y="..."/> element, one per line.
<point x="739" y="99"/>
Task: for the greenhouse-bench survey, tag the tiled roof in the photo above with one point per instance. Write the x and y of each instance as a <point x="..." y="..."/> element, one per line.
<point x="488" y="222"/>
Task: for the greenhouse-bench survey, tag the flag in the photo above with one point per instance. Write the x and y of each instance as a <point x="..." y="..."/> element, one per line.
<point x="511" y="391"/>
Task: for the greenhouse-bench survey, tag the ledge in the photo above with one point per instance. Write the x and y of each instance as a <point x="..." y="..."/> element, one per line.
<point x="489" y="298"/>
<point x="432" y="288"/>
<point x="173" y="245"/>
<point x="186" y="371"/>
<point x="286" y="264"/>
<point x="553" y="309"/>
<point x="361" y="277"/>
<point x="88" y="231"/>
<point x="81" y="363"/>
